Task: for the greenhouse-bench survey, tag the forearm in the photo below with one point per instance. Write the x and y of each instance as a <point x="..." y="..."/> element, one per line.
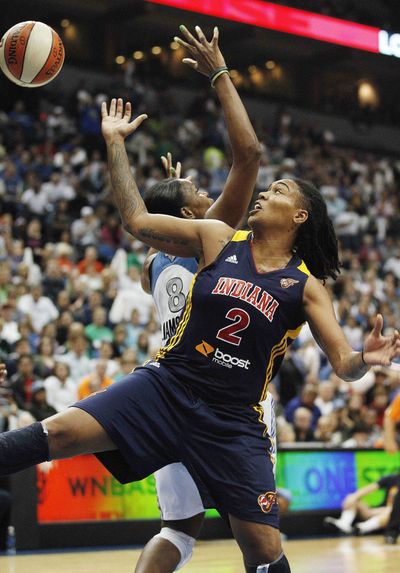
<point x="243" y="139"/>
<point x="124" y="189"/>
<point x="389" y="429"/>
<point x="351" y="367"/>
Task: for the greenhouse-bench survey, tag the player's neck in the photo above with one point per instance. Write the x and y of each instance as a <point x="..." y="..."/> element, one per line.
<point x="271" y="253"/>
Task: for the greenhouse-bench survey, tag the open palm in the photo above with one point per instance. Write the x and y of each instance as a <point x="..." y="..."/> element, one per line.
<point x="378" y="349"/>
<point x="116" y="122"/>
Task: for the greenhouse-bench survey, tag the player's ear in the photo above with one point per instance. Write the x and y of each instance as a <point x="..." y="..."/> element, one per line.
<point x="187" y="213"/>
<point x="300" y="216"/>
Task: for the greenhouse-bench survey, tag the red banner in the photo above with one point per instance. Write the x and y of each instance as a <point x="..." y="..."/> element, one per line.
<point x="284" y="19"/>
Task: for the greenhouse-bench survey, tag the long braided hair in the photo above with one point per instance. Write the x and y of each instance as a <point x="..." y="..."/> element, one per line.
<point x="316" y="242"/>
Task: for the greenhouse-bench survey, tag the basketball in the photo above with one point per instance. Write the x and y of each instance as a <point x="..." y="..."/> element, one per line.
<point x="31" y="54"/>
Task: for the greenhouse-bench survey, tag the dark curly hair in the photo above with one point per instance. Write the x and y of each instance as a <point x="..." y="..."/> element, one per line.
<point x="166" y="197"/>
<point x="316" y="242"/>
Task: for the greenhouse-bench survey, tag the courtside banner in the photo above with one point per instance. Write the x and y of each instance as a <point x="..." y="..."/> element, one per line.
<point x="321" y="479"/>
<point x="81" y="489"/>
<point x="294" y="21"/>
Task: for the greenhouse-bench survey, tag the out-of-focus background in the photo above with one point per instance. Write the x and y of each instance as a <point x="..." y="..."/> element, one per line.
<point x="322" y="90"/>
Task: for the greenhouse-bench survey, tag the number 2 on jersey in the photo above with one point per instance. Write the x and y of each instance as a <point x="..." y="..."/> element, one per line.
<point x="241" y="322"/>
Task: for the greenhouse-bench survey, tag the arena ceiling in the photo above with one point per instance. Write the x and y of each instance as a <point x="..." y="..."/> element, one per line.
<point x="138" y="25"/>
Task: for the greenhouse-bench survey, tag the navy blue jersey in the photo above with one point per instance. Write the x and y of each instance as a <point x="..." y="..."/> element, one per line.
<point x="237" y="325"/>
<point x="391" y="484"/>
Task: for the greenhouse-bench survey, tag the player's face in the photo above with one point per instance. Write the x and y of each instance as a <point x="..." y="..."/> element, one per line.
<point x="198" y="202"/>
<point x="280" y="203"/>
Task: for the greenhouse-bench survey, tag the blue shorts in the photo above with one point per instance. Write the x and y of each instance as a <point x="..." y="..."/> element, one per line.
<point x="155" y="419"/>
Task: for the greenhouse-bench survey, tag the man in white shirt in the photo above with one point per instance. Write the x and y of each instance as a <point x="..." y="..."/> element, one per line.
<point x="39" y="308"/>
<point x="84" y="231"/>
<point x="79" y="363"/>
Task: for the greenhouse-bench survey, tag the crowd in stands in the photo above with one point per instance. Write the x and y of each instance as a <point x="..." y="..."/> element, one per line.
<point x="73" y="316"/>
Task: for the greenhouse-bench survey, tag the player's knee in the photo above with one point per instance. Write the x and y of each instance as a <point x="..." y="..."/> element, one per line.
<point x="262" y="551"/>
<point x="183" y="542"/>
<point x="280" y="565"/>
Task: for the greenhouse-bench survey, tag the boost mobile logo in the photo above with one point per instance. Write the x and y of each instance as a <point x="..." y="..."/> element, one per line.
<point x="205" y="348"/>
<point x="220" y="357"/>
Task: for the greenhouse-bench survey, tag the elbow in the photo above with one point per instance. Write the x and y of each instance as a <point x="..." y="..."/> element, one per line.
<point x="250" y="153"/>
<point x="129" y="228"/>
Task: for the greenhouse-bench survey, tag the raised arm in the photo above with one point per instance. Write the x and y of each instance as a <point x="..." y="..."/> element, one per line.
<point x="206" y="57"/>
<point x="389" y="428"/>
<point x="349" y="365"/>
<point x="181" y="237"/>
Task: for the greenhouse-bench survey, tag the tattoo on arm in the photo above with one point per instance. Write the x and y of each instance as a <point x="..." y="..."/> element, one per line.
<point x="148" y="233"/>
<point x="354" y="368"/>
<point x="125" y="191"/>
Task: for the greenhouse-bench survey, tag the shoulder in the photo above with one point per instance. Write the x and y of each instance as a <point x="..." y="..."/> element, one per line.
<point x="214" y="231"/>
<point x="314" y="290"/>
<point x="216" y="226"/>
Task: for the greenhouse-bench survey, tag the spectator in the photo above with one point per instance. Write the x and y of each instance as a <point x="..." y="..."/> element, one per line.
<point x="40" y="409"/>
<point x="106" y="352"/>
<point x="325" y="431"/>
<point x="22" y="381"/>
<point x="40" y="309"/>
<point x="77" y="358"/>
<point x="44" y="360"/>
<point x="84" y="231"/>
<point x="90" y="261"/>
<point x="131" y="296"/>
<point x="325" y="399"/>
<point x="133" y="328"/>
<point x="97" y="331"/>
<point x="302" y="425"/>
<point x="128" y="363"/>
<point x="360" y="437"/>
<point x="61" y="390"/>
<point x="305" y="400"/>
<point x="97" y="380"/>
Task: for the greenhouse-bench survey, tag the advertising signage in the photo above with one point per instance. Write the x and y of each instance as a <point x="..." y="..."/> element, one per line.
<point x="294" y="21"/>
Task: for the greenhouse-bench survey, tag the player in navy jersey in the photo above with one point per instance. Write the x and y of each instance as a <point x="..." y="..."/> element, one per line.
<point x="199" y="402"/>
<point x="168" y="279"/>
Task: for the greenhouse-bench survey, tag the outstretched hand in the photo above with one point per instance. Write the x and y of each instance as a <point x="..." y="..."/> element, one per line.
<point x="116" y="122"/>
<point x="169" y="168"/>
<point x="206" y="56"/>
<point x="378" y="349"/>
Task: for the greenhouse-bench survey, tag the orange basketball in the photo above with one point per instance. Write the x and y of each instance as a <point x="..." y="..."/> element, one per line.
<point x="31" y="54"/>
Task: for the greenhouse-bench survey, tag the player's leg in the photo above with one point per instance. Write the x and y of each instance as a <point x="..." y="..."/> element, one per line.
<point x="172" y="548"/>
<point x="63" y="435"/>
<point x="260" y="545"/>
<point x="182" y="514"/>
<point x="345" y="522"/>
<point x="378" y="520"/>
<point x="393" y="526"/>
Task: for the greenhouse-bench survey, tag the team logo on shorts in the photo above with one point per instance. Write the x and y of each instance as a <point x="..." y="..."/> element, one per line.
<point x="266" y="501"/>
<point x="204" y="348"/>
<point x="286" y="283"/>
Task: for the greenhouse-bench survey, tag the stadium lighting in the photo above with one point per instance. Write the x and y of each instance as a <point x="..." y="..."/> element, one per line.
<point x="294" y="21"/>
